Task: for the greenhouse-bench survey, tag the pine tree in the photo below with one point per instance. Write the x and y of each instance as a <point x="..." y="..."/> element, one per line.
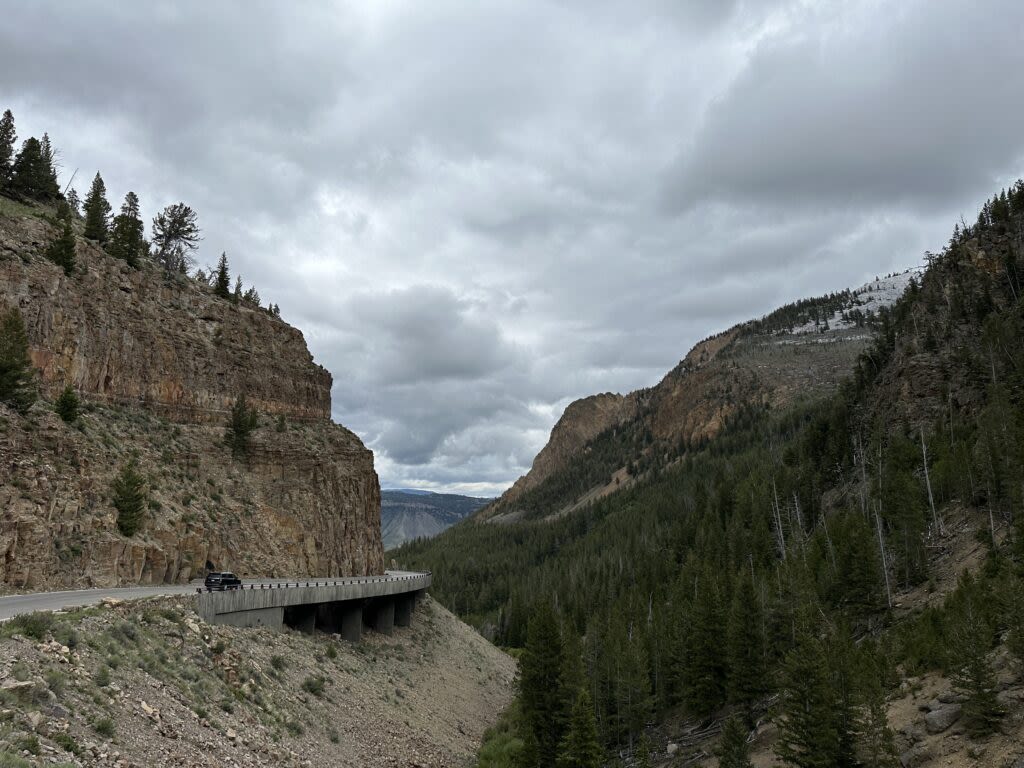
<point x="543" y="714"/>
<point x="745" y="647"/>
<point x="47" y="171"/>
<point x="67" y="405"/>
<point x="734" y="752"/>
<point x="127" y="236"/>
<point x="630" y="679"/>
<point x="32" y="175"/>
<point x="241" y="422"/>
<point x="62" y="250"/>
<point x="236" y="296"/>
<point x="175" y="236"/>
<point x="15" y="364"/>
<point x="222" y="278"/>
<point x="7" y="139"/>
<point x="129" y="498"/>
<point x="642" y="758"/>
<point x="97" y="211"/>
<point x="876" y="743"/>
<point x="74" y="203"/>
<point x="808" y="736"/>
<point x="580" y="748"/>
<point x="971" y="635"/>
<point x="704" y="663"/>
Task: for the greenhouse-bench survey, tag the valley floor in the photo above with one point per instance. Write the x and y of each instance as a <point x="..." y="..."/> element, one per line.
<point x="147" y="684"/>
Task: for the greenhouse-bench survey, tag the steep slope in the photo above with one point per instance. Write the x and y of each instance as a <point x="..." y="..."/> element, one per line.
<point x="145" y="684"/>
<point x="601" y="443"/>
<point x="406" y="515"/>
<point x="157" y="360"/>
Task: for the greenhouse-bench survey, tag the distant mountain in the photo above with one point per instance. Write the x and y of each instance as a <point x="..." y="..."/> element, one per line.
<point x="605" y="443"/>
<point x="408" y="514"/>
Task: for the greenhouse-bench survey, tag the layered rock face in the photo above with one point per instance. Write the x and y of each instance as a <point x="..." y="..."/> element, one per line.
<point x="581" y="422"/>
<point x="142" y="338"/>
<point x="157" y="361"/>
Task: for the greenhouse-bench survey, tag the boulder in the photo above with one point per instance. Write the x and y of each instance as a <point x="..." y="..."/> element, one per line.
<point x="939" y="720"/>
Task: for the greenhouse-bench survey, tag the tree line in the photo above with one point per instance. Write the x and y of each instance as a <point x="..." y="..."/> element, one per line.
<point x="30" y="175"/>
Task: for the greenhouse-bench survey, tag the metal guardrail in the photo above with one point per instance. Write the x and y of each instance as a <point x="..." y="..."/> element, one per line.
<point x="326" y="583"/>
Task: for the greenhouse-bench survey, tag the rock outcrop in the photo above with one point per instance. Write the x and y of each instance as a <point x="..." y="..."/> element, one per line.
<point x="750" y="364"/>
<point x="157" y="360"/>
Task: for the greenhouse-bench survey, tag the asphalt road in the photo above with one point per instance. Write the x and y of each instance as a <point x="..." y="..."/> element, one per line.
<point x="14" y="605"/>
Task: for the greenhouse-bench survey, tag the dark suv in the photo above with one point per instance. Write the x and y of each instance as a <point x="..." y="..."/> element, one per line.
<point x="218" y="581"/>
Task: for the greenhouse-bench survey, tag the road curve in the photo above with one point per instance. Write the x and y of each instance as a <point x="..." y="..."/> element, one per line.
<point x="15" y="605"/>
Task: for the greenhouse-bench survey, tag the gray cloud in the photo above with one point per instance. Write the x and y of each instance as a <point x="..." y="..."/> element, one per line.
<point x="478" y="212"/>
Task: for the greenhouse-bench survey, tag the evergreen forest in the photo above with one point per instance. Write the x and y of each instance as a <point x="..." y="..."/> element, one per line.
<point x="787" y="568"/>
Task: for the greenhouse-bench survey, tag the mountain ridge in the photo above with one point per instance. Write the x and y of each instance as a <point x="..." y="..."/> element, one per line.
<point x="801" y="349"/>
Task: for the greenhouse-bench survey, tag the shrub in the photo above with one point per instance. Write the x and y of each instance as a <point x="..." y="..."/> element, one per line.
<point x="67" y="742"/>
<point x="104" y="727"/>
<point x="55" y="681"/>
<point x="28" y="743"/>
<point x="278" y="662"/>
<point x="67" y="405"/>
<point x="7" y="760"/>
<point x="102" y="677"/>
<point x="332" y="651"/>
<point x="314" y="685"/>
<point x="34" y="625"/>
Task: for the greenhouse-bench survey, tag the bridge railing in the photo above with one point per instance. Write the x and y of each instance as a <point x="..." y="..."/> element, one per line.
<point x="319" y="583"/>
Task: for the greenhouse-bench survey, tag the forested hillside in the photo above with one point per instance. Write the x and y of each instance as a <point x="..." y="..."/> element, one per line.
<point x="407" y="515"/>
<point x="605" y="443"/>
<point x="797" y="565"/>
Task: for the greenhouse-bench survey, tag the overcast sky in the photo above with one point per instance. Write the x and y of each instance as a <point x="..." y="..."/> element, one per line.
<point x="480" y="211"/>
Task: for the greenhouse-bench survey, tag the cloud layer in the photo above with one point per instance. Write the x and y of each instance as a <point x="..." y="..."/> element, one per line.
<point x="478" y="212"/>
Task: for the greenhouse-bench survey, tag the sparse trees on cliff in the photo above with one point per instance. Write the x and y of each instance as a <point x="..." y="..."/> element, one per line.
<point x="97" y="211"/>
<point x="33" y="175"/>
<point x="129" y="498"/>
<point x="222" y="278"/>
<point x="127" y="238"/>
<point x="74" y="203"/>
<point x="7" y="137"/>
<point x="67" y="405"/>
<point x="175" y="236"/>
<point x="15" y="365"/>
<point x="241" y="422"/>
<point x="62" y="250"/>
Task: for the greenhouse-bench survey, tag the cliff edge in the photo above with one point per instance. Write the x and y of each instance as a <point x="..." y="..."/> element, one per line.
<point x="157" y="361"/>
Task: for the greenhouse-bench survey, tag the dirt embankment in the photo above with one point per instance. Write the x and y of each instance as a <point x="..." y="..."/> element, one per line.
<point x="147" y="684"/>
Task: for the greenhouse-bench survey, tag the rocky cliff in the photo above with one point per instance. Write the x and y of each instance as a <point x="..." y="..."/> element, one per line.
<point x="157" y="360"/>
<point x="802" y="350"/>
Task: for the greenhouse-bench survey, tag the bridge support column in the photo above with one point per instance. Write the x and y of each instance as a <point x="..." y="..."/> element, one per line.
<point x="351" y="620"/>
<point x="384" y="615"/>
<point x="403" y="609"/>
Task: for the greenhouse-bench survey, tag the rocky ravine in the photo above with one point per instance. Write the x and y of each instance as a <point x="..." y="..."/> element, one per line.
<point x="157" y="361"/>
<point x="145" y="684"/>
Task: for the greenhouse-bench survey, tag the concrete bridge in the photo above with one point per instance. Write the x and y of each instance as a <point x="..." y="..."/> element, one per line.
<point x="342" y="606"/>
